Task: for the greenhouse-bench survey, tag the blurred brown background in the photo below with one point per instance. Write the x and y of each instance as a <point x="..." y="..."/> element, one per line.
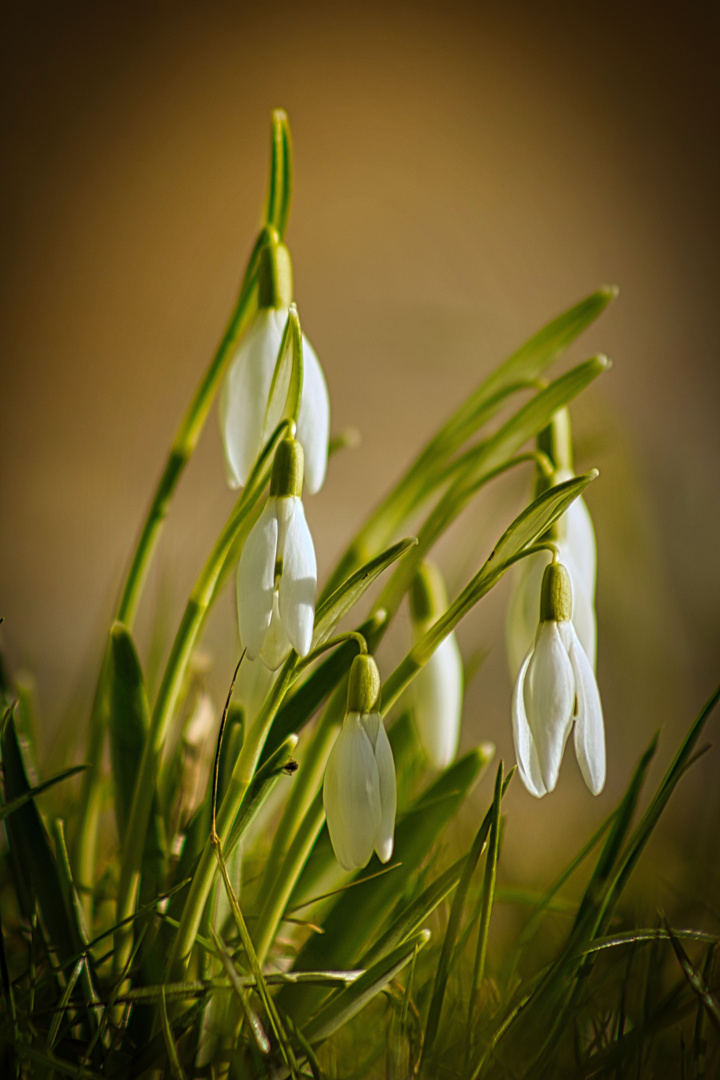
<point x="463" y="173"/>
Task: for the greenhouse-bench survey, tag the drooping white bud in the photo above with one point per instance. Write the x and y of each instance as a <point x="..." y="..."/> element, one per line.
<point x="437" y="689"/>
<point x="277" y="571"/>
<point x="245" y="392"/>
<point x="359" y="791"/>
<point x="555" y="689"/>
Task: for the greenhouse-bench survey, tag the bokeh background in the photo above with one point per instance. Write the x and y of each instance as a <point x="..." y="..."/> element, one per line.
<point x="464" y="172"/>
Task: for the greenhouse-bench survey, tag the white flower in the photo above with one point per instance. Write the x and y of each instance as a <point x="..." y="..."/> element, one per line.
<point x="437" y="689"/>
<point x="555" y="689"/>
<point x="577" y="552"/>
<point x="359" y="792"/>
<point x="277" y="572"/>
<point x="244" y="400"/>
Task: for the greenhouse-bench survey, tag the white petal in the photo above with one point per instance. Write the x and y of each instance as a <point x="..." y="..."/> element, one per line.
<point x="525" y="752"/>
<point x="385" y="838"/>
<point x="437" y="695"/>
<point x="549" y="697"/>
<point x="580" y="541"/>
<point x="351" y="795"/>
<point x="256" y="580"/>
<point x="276" y="646"/>
<point x="298" y="583"/>
<point x="583" y="617"/>
<point x="589" y="727"/>
<point x="377" y="735"/>
<point x="313" y="419"/>
<point x="245" y="393"/>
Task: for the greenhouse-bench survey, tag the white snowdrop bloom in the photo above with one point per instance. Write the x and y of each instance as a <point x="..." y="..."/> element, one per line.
<point x="577" y="552"/>
<point x="245" y="392"/>
<point x="359" y="791"/>
<point x="437" y="689"/>
<point x="555" y="690"/>
<point x="277" y="572"/>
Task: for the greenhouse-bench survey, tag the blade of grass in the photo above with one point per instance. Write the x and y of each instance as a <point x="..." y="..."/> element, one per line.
<point x="488" y="893"/>
<point x="455" y="919"/>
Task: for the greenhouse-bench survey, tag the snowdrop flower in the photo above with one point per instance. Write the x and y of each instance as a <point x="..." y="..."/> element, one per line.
<point x="244" y="397"/>
<point x="277" y="572"/>
<point x="359" y="792"/>
<point x="576" y="549"/>
<point x="437" y="689"/>
<point x="574" y="537"/>
<point x="555" y="689"/>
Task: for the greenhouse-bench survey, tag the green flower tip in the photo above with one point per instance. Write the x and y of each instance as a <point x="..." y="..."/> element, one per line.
<point x="288" y="469"/>
<point x="275" y="277"/>
<point x="364" y="685"/>
<point x="556" y="594"/>
<point x="428" y="596"/>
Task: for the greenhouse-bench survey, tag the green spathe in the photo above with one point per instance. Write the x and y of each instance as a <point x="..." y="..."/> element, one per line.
<point x="363" y="686"/>
<point x="556" y="594"/>
<point x="288" y="469"/>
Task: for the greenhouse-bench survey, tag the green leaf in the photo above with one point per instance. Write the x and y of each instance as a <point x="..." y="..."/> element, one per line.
<point x="279" y="195"/>
<point x="454" y="921"/>
<point x="38" y="877"/>
<point x="519" y="371"/>
<point x="176" y="1069"/>
<point x="330" y="611"/>
<point x="531" y="359"/>
<point x="411" y="918"/>
<point x="489" y="459"/>
<point x="263" y="783"/>
<point x="32" y="793"/>
<point x="239" y="986"/>
<point x="348" y="1002"/>
<point x="299" y="706"/>
<point x="127" y="722"/>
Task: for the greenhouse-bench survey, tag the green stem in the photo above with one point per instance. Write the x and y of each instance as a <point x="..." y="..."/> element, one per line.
<point x="304" y="790"/>
<point x="204" y="592"/>
<point x="240" y="781"/>
<point x="182" y="448"/>
<point x="300" y="848"/>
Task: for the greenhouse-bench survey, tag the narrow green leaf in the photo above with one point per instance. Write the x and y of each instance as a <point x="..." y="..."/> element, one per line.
<point x="488" y="894"/>
<point x="263" y="783"/>
<point x="30" y="844"/>
<point x="299" y="706"/>
<point x="127" y="722"/>
<point x="176" y="1069"/>
<point x="279" y="194"/>
<point x="454" y="921"/>
<point x="63" y="1004"/>
<point x="239" y="986"/>
<point x="260" y="984"/>
<point x="330" y="611"/>
<point x="32" y="793"/>
<point x="694" y="977"/>
<point x="517" y="372"/>
<point x="348" y="1002"/>
<point x="415" y="914"/>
